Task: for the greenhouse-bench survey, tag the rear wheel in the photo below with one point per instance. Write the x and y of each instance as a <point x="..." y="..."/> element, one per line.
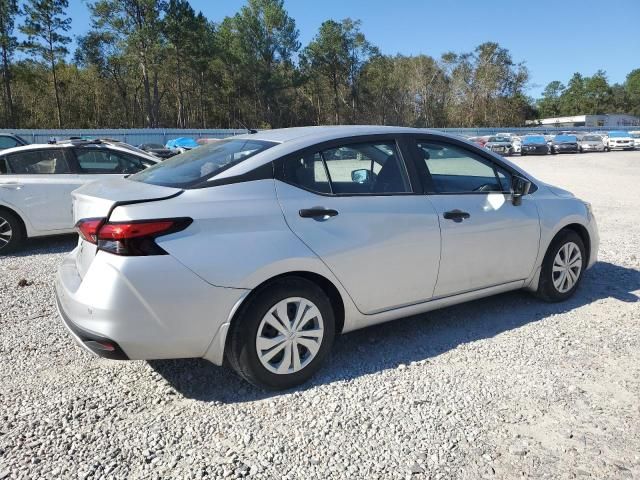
<point x="11" y="232"/>
<point x="562" y="267"/>
<point x="282" y="335"/>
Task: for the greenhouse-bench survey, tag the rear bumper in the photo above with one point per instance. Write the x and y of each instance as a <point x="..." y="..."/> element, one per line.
<point x="144" y="307"/>
<point x="94" y="343"/>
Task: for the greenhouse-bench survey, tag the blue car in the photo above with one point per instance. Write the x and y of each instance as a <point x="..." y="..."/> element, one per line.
<point x="182" y="144"/>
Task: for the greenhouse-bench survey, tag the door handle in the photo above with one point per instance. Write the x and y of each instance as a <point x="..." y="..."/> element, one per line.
<point x="456" y="215"/>
<point x="316" y="212"/>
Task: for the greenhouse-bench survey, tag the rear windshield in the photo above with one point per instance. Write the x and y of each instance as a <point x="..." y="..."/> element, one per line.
<point x="534" y="140"/>
<point x="197" y="165"/>
<point x="591" y="138"/>
<point x="498" y="139"/>
<point x="565" y="138"/>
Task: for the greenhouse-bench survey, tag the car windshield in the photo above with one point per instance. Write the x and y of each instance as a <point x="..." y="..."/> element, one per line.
<point x="537" y="139"/>
<point x="199" y="164"/>
<point x="498" y="139"/>
<point x="565" y="138"/>
<point x="155" y="146"/>
<point x="618" y="134"/>
<point x="591" y="138"/>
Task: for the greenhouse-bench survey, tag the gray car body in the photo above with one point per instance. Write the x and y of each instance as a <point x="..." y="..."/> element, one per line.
<point x="384" y="257"/>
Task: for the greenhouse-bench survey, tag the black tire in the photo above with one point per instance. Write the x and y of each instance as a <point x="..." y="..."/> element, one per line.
<point x="11" y="232"/>
<point x="547" y="291"/>
<point x="242" y="353"/>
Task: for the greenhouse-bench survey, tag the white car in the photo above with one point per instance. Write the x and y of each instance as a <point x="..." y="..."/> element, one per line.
<point x="262" y="247"/>
<point x="636" y="139"/>
<point x="621" y="141"/>
<point x="36" y="182"/>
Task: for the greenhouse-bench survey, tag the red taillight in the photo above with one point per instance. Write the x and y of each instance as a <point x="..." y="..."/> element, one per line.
<point x="124" y="231"/>
<point x="132" y="238"/>
<point x="88" y="228"/>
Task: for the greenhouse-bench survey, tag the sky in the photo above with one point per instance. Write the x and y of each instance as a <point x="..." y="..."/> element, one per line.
<point x="553" y="38"/>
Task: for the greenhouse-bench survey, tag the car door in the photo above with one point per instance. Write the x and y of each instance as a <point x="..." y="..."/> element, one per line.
<point x="352" y="203"/>
<point x="39" y="184"/>
<point x="486" y="239"/>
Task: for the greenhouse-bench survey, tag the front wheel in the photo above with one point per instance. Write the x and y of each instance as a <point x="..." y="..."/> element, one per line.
<point x="562" y="267"/>
<point x="281" y="337"/>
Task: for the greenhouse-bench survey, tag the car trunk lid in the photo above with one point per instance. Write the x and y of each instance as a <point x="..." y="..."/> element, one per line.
<point x="98" y="199"/>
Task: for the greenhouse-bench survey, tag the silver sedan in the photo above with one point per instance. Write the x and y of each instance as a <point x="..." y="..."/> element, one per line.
<point x="261" y="248"/>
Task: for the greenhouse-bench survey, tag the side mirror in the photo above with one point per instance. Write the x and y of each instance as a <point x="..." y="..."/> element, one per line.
<point x="520" y="187"/>
<point x="361" y="176"/>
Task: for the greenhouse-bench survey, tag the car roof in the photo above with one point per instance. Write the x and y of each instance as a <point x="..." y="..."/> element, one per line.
<point x="323" y="133"/>
<point x="290" y="140"/>
<point x="75" y="143"/>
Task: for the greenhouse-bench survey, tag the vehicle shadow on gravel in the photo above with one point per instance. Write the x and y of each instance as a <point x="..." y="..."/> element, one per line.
<point x="411" y="339"/>
<point x="46" y="245"/>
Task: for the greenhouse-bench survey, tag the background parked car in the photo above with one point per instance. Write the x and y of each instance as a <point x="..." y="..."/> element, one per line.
<point x="534" y="145"/>
<point x="501" y="145"/>
<point x="10" y="140"/>
<point x="621" y="141"/>
<point x="182" y="144"/>
<point x="636" y="139"/>
<point x="36" y="182"/>
<point x="480" y="141"/>
<point x="565" y="144"/>
<point x="157" y="150"/>
<point x="591" y="143"/>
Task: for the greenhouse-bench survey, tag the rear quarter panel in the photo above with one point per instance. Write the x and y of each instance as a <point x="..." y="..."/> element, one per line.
<point x="239" y="237"/>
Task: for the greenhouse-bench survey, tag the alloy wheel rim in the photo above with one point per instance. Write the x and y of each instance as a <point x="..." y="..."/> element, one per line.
<point x="6" y="233"/>
<point x="567" y="266"/>
<point x="289" y="336"/>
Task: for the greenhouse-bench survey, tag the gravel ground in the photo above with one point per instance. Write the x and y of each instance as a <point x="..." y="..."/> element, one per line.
<point x="499" y="388"/>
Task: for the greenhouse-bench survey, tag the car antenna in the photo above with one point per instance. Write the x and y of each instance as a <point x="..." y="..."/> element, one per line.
<point x="249" y="130"/>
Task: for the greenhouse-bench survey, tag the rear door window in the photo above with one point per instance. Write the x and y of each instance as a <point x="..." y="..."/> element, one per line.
<point x="39" y="162"/>
<point x="368" y="168"/>
<point x="105" y="161"/>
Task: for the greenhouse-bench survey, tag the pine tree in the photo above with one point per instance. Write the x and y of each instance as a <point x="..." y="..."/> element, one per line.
<point x="45" y="26"/>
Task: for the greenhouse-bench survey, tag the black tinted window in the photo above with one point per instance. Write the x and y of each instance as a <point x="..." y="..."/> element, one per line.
<point x="363" y="168"/>
<point x="457" y="170"/>
<point x="38" y="162"/>
<point x="96" y="161"/>
<point x="199" y="164"/>
<point x="307" y="172"/>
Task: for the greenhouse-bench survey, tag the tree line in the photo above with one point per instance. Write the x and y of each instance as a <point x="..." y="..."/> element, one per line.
<point x="157" y="63"/>
<point x="591" y="95"/>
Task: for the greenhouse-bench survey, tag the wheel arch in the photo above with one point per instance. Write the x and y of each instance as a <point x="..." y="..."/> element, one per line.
<point x="327" y="286"/>
<point x="17" y="214"/>
<point x="582" y="232"/>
